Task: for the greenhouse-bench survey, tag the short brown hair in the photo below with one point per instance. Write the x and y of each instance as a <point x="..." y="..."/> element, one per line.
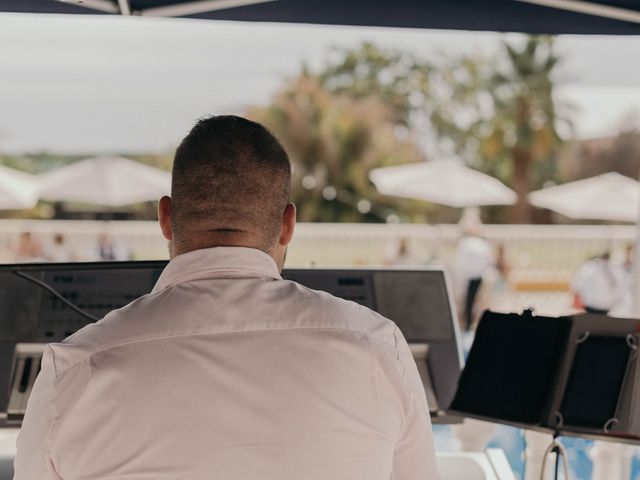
<point x="230" y="173"/>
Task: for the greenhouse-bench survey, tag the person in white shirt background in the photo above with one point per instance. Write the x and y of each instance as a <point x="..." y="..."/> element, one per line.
<point x="225" y="370"/>
<point x="28" y="249"/>
<point x="59" y="250"/>
<point x="600" y="284"/>
<point x="473" y="258"/>
<point x="108" y="249"/>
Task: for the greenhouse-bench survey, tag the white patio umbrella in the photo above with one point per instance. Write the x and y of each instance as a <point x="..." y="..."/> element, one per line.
<point x="18" y="190"/>
<point x="107" y="181"/>
<point x="444" y="182"/>
<point x="609" y="196"/>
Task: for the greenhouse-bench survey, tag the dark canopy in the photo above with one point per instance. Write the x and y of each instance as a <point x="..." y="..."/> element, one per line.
<point x="532" y="16"/>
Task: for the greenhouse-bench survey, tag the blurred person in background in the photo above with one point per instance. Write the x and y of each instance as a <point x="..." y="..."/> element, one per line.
<point x="474" y="259"/>
<point x="626" y="307"/>
<point x="59" y="251"/>
<point x="502" y="269"/>
<point x="629" y="253"/>
<point x="109" y="250"/>
<point x="28" y="249"/>
<point x="403" y="256"/>
<point x="599" y="284"/>
<point x="502" y="265"/>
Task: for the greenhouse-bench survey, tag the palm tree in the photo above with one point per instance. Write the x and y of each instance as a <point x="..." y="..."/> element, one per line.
<point x="523" y="128"/>
<point x="500" y="114"/>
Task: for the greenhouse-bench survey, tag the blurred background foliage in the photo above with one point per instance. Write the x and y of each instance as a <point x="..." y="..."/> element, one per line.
<point x="334" y="139"/>
<point x="370" y="106"/>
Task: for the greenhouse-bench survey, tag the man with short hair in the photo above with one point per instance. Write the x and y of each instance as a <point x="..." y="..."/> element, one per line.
<point x="225" y="370"/>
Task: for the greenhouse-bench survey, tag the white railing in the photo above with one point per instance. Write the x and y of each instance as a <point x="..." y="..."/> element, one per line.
<point x="533" y="248"/>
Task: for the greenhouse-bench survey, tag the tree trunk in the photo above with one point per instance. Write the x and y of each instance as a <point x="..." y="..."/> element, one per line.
<point x="521" y="158"/>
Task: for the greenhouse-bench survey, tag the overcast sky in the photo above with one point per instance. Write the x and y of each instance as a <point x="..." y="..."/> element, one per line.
<point x="88" y="84"/>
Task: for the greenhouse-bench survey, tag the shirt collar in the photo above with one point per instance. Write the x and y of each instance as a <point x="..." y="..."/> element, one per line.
<point x="217" y="262"/>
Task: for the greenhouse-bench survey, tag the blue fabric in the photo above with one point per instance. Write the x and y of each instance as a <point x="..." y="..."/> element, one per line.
<point x="490" y="15"/>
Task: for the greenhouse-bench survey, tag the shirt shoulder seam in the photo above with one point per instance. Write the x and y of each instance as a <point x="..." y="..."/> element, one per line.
<point x="376" y="339"/>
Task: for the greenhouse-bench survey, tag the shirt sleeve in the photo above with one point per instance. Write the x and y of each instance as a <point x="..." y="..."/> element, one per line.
<point x="414" y="457"/>
<point x="32" y="460"/>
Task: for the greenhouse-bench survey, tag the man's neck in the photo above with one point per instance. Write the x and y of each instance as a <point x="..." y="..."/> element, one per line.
<point x="176" y="249"/>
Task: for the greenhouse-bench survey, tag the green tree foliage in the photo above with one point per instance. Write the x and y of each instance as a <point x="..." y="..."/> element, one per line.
<point x="397" y="79"/>
<point x="592" y="157"/>
<point x="522" y="133"/>
<point x="498" y="114"/>
<point x="37" y="162"/>
<point x="370" y="107"/>
<point x="333" y="140"/>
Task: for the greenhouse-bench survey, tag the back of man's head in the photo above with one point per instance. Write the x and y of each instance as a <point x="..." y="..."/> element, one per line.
<point x="231" y="184"/>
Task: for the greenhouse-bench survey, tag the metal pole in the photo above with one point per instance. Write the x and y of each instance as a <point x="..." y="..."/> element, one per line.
<point x="125" y="9"/>
<point x="590" y="8"/>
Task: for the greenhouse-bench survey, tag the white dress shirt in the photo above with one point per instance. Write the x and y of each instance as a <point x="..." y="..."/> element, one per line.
<point x="226" y="371"/>
<point x="474" y="255"/>
<point x="600" y="284"/>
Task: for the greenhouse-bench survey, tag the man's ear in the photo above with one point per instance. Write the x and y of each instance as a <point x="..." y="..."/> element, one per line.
<point x="288" y="224"/>
<point x="164" y="217"/>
